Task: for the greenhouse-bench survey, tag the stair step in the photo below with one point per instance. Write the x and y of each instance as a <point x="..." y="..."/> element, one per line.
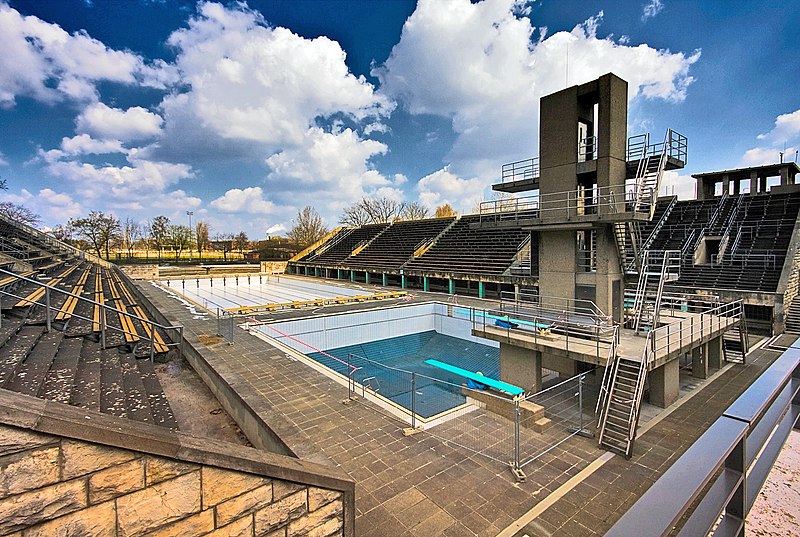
<point x="159" y="406"/>
<point x="112" y="390"/>
<point x="87" y="377"/>
<point x="32" y="372"/>
<point x="11" y="325"/>
<point x="17" y="349"/>
<point x="59" y="382"/>
<point x="136" y="398"/>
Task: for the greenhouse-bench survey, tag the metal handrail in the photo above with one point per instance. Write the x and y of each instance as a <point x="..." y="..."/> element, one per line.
<point x="559" y="304"/>
<point x="103" y="326"/>
<point x="520" y="170"/>
<point x="52" y="241"/>
<point x="587" y="149"/>
<point x="570" y="203"/>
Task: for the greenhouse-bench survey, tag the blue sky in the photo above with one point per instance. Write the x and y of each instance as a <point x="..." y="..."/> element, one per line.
<point x="245" y="113"/>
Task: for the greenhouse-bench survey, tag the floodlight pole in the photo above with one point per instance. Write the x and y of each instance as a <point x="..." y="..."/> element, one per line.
<point x="191" y="233"/>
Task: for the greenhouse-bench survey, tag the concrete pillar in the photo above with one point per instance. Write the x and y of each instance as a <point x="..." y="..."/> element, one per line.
<point x="403" y="281"/>
<point x="338" y="274"/>
<point x="425" y="284"/>
<point x="316" y="272"/>
<point x="481" y="291"/>
<point x="451" y="286"/>
<point x="664" y="384"/>
<point x="385" y="280"/>
<point x="714" y="354"/>
<point x="521" y="367"/>
<point x="352" y="275"/>
<point x="516" y="291"/>
<point x="785" y="176"/>
<point x="699" y="363"/>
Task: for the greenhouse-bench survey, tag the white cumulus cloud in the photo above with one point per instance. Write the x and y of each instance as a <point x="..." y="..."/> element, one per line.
<point x="42" y="61"/>
<point x="651" y="9"/>
<point x="248" y="200"/>
<point x="443" y="186"/>
<point x="104" y="122"/>
<point x="250" y="81"/>
<point x="479" y="64"/>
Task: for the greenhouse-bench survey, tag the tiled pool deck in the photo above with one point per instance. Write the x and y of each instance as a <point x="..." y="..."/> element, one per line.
<point x="417" y="485"/>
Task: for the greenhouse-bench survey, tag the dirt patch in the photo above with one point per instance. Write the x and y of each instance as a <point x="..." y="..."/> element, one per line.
<point x="196" y="409"/>
<point x="775" y="511"/>
<point x="210" y="340"/>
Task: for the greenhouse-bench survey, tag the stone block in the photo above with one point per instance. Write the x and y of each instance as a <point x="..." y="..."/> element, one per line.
<point x="242" y="527"/>
<point x="96" y="521"/>
<point x="81" y="458"/>
<point x="281" y="512"/>
<point x="319" y="497"/>
<point x="281" y="489"/>
<point x="141" y="512"/>
<point x="160" y="469"/>
<point x="320" y="523"/>
<point x="542" y="424"/>
<point x="29" y="508"/>
<point x="220" y="485"/>
<point x="116" y="481"/>
<point x="199" y="524"/>
<point x="13" y="440"/>
<point x="243" y="504"/>
<point x="28" y="470"/>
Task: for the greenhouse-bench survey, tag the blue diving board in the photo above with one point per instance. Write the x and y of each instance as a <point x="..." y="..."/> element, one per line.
<point x="496" y="384"/>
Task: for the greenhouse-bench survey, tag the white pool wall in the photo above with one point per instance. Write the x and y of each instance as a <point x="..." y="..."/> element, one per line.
<point x="326" y="332"/>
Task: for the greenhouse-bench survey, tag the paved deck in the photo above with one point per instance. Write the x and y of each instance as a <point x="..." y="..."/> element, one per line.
<point x="418" y="486"/>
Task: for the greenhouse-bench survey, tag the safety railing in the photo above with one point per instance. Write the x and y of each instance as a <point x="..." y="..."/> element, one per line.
<point x="55" y="243"/>
<point x="566" y="205"/>
<point x="587" y="149"/>
<point x="713" y="485"/>
<point x="578" y="333"/>
<point x="609" y="372"/>
<point x="51" y="311"/>
<point x="519" y="301"/>
<point x="674" y="145"/>
<point x="520" y="170"/>
<point x="674" y="336"/>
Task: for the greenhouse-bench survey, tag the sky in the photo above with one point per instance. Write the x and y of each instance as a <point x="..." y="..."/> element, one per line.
<point x="244" y="113"/>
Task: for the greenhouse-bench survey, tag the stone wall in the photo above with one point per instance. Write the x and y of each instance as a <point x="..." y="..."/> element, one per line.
<point x="51" y="485"/>
<point x="141" y="272"/>
<point x="66" y="471"/>
<point x="273" y="267"/>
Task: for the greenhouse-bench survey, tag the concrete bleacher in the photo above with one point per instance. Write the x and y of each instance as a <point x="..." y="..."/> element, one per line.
<point x="71" y="362"/>
<point x="392" y="248"/>
<point x="475" y="250"/>
<point x="339" y="247"/>
<point x="760" y="231"/>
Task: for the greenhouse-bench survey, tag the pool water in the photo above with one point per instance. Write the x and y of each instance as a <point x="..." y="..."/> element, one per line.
<point x="385" y="366"/>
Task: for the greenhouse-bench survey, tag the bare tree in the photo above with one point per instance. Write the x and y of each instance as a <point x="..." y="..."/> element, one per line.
<point x="225" y="242"/>
<point x="62" y="232"/>
<point x="445" y="210"/>
<point x="100" y="229"/>
<point x="201" y="230"/>
<point x="240" y="242"/>
<point x="308" y="228"/>
<point x="179" y="238"/>
<point x="19" y="213"/>
<point x="501" y="202"/>
<point x="414" y="211"/>
<point x="131" y="233"/>
<point x="372" y="211"/>
<point x="159" y="227"/>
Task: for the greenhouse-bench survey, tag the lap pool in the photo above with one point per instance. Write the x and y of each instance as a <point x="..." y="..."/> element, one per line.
<point x="382" y="353"/>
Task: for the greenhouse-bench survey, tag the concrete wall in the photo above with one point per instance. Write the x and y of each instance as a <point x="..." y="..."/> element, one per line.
<point x="141" y="272"/>
<point x="54" y="484"/>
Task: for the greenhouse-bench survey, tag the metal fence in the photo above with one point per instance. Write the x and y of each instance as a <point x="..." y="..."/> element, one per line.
<point x="511" y="430"/>
<point x="225" y="326"/>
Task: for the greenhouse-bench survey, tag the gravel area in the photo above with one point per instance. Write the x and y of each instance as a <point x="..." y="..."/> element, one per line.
<point x="776" y="512"/>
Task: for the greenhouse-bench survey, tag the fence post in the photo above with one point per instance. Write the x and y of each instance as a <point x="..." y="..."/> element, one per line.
<point x="413" y="400"/>
<point x="152" y="342"/>
<point x="103" y="328"/>
<point x="180" y="334"/>
<point x="47" y="306"/>
<point x="517" y="468"/>
<point x="580" y="403"/>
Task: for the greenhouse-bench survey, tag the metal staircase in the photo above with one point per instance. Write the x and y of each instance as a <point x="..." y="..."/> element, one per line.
<point x="619" y="414"/>
<point x="657" y="269"/>
<point x="628" y="238"/>
<point x="736" y="343"/>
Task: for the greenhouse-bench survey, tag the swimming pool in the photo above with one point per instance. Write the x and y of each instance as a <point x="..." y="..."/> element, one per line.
<point x="384" y="351"/>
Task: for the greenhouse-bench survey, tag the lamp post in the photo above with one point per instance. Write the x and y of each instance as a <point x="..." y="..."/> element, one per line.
<point x="191" y="233"/>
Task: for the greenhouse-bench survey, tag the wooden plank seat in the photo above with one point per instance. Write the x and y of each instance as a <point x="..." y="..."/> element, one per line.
<point x="39" y="292"/>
